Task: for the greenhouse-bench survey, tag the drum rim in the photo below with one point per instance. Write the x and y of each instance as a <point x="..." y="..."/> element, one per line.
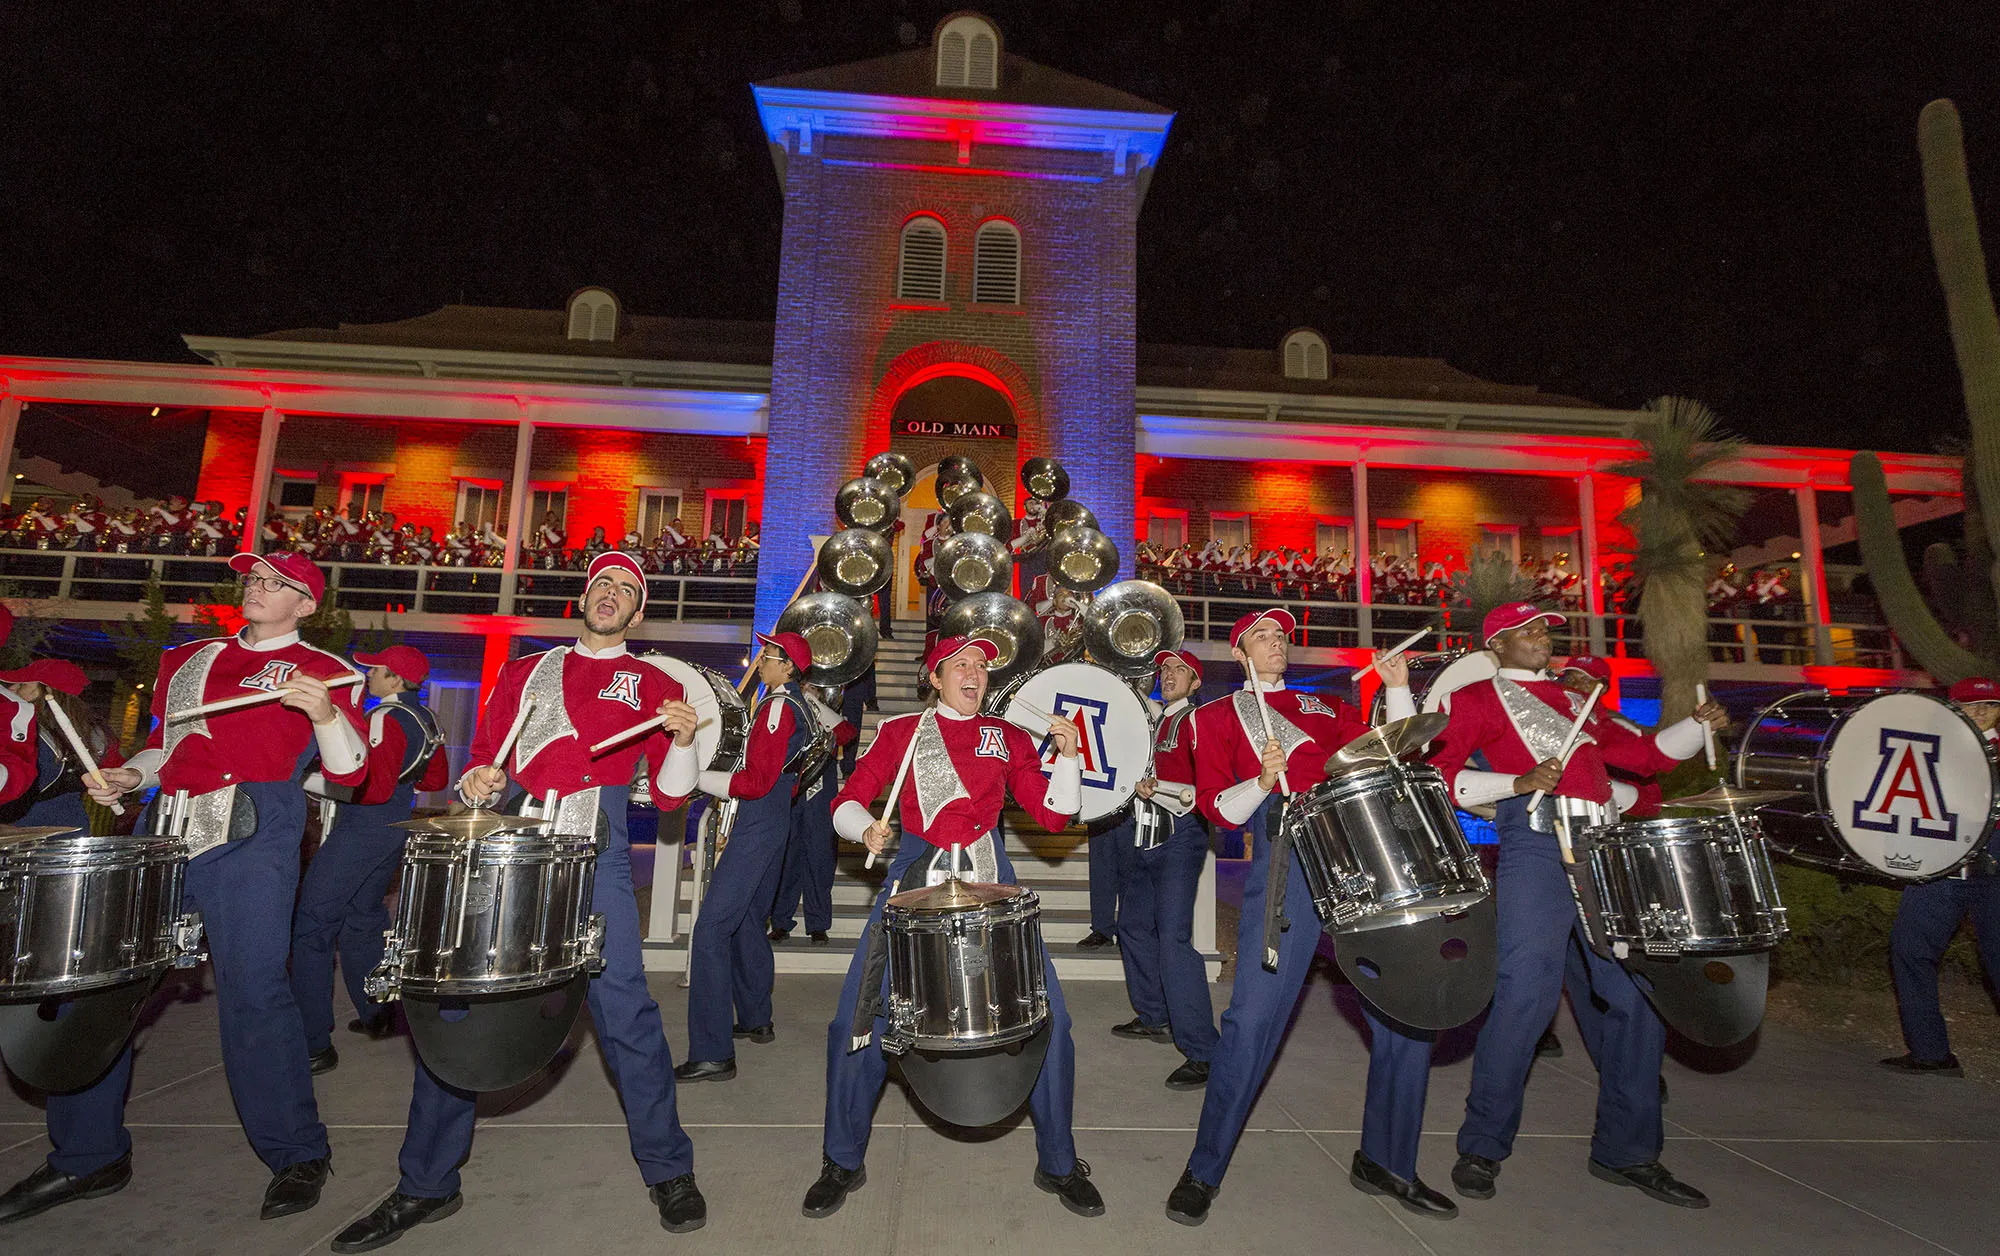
<point x="149" y="848"/>
<point x="1123" y="794"/>
<point x="1020" y="902"/>
<point x="1345" y="782"/>
<point x="1655" y="830"/>
<point x="52" y="987"/>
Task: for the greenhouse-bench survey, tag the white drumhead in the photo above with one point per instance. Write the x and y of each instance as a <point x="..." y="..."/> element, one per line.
<point x="700" y="696"/>
<point x="1116" y="740"/>
<point x="1467" y="669"/>
<point x="1909" y="785"/>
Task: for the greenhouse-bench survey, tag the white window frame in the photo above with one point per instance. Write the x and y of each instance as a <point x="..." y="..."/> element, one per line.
<point x="373" y="490"/>
<point x="466" y="488"/>
<point x="1333" y="537"/>
<point x="593" y="315"/>
<point x="1305" y="355"/>
<point x="540" y="500"/>
<point x="922" y="286"/>
<point x="996" y="271"/>
<point x="280" y="480"/>
<point x="1219" y="519"/>
<point x="968" y="54"/>
<point x="1503" y="539"/>
<point x="1176" y="519"/>
<point x="649" y="512"/>
<point x="1396" y="536"/>
<point x="716" y="496"/>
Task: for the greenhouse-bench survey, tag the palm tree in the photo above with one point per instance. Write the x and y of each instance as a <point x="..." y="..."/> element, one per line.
<point x="1677" y="520"/>
<point x="1490" y="579"/>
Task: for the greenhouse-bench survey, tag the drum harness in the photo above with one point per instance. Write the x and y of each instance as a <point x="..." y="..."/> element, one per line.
<point x="1153" y="823"/>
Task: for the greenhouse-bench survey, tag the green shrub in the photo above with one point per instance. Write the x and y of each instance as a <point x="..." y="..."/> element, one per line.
<point x="1840" y="932"/>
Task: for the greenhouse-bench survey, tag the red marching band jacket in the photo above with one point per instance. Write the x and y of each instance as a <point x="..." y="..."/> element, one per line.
<point x="1480" y="723"/>
<point x="1226" y="753"/>
<point x="991" y="756"/>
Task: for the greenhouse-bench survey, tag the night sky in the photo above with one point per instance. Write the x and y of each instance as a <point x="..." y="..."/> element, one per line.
<point x="1604" y="199"/>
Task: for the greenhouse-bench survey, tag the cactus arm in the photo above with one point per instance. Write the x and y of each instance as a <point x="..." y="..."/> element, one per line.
<point x="1902" y="602"/>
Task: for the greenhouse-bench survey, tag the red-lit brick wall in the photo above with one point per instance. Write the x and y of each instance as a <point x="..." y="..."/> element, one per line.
<point x="229" y="458"/>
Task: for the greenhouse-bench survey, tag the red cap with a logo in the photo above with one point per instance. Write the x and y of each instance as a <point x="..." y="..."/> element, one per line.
<point x="617" y="558"/>
<point x="1193" y="663"/>
<point x="294" y="569"/>
<point x="1975" y="689"/>
<point x="1277" y="615"/>
<point x="406" y="662"/>
<point x="792" y="646"/>
<point x="1590" y="665"/>
<point x="1515" y="615"/>
<point x="949" y="648"/>
<point x="55" y="673"/>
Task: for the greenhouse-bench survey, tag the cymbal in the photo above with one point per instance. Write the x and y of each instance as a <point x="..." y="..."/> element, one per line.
<point x="1729" y="798"/>
<point x="953" y="894"/>
<point x="1391" y="741"/>
<point x="473" y="824"/>
<point x="11" y="836"/>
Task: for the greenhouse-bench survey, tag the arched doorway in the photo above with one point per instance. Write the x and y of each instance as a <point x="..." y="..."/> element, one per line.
<point x="929" y="421"/>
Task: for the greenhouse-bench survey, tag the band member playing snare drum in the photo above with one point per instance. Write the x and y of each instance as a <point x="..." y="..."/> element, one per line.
<point x="968" y="763"/>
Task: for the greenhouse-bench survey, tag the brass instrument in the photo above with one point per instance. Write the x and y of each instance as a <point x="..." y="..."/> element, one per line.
<point x="980" y="511"/>
<point x="1007" y="623"/>
<point x="1066" y="513"/>
<point x="840" y="631"/>
<point x="1082" y="558"/>
<point x="973" y="562"/>
<point x="894" y="469"/>
<point x="866" y="503"/>
<point x="1045" y="479"/>
<point x="960" y="467"/>
<point x="1129" y="623"/>
<point x="856" y="562"/>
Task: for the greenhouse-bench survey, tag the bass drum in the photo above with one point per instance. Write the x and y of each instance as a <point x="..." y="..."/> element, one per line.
<point x="722" y="730"/>
<point x="1116" y="735"/>
<point x="1896" y="786"/>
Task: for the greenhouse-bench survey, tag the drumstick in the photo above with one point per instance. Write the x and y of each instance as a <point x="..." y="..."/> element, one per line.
<point x="645" y="726"/>
<point x="1707" y="729"/>
<point x="1264" y="713"/>
<point x="513" y="734"/>
<point x="250" y="700"/>
<point x="90" y="768"/>
<point x="1569" y="742"/>
<point x="1394" y="650"/>
<point x="896" y="790"/>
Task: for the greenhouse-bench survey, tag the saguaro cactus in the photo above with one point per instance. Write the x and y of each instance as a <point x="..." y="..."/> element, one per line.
<point x="1975" y="338"/>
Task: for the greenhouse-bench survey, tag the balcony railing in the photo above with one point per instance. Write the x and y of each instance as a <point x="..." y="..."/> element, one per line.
<point x="370" y="587"/>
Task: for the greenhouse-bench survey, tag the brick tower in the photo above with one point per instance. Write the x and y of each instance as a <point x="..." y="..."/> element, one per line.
<point x="952" y="213"/>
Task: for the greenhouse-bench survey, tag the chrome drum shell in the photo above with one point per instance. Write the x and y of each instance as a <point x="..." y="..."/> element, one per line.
<point x="1696" y="886"/>
<point x="84" y="913"/>
<point x="965" y="980"/>
<point x="1381" y="846"/>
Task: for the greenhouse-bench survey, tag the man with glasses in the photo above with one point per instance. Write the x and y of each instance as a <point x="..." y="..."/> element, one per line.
<point x="600" y="690"/>
<point x="252" y="761"/>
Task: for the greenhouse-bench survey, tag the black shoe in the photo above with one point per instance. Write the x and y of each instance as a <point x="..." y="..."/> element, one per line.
<point x="295" y="1188"/>
<point x="757" y="1033"/>
<point x="824" y="1197"/>
<point x="1372" y="1179"/>
<point x="1136" y="1028"/>
<point x="1550" y="1045"/>
<point x="1075" y="1191"/>
<point x="1093" y="940"/>
<point x="1473" y="1176"/>
<point x="779" y="935"/>
<point x="377" y="1027"/>
<point x="1652" y="1178"/>
<point x="1191" y="1075"/>
<point x="706" y="1070"/>
<point x="1189" y="1200"/>
<point x="1907" y="1063"/>
<point x="392" y="1217"/>
<point x="323" y="1061"/>
<point x="818" y="937"/>
<point x="46" y="1188"/>
<point x="682" y="1209"/>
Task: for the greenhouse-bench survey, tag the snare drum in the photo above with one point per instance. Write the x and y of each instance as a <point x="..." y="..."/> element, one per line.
<point x="83" y="913"/>
<point x="1897" y="785"/>
<point x="966" y="967"/>
<point x="490" y="915"/>
<point x="1699" y="886"/>
<point x="1381" y="846"/>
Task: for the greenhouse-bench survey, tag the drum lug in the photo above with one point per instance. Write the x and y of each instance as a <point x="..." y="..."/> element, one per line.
<point x="897" y="1037"/>
<point x="1662" y="929"/>
<point x="188" y="938"/>
<point x="386" y="982"/>
<point x="1355" y="885"/>
<point x="591" y="947"/>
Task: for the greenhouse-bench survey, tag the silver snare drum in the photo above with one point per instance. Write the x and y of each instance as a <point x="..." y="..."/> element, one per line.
<point x="1686" y="886"/>
<point x="1382" y="845"/>
<point x="491" y="915"/>
<point x="82" y="913"/>
<point x="965" y="967"/>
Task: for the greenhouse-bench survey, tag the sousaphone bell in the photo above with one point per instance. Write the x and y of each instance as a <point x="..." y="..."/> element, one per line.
<point x="840" y="631"/>
<point x="894" y="469"/>
<point x="1129" y="623"/>
<point x="973" y="562"/>
<point x="867" y="503"/>
<point x="1045" y="479"/>
<point x="1067" y="513"/>
<point x="1007" y="623"/>
<point x="980" y="511"/>
<point x="1082" y="559"/>
<point x="855" y="562"/>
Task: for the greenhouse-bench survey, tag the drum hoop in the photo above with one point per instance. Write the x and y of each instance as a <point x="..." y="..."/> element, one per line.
<point x="95" y="853"/>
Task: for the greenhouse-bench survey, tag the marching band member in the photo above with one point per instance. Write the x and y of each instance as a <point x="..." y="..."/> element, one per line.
<point x="243" y="888"/>
<point x="1929" y="914"/>
<point x="1237" y="774"/>
<point x="1519" y="721"/>
<point x="42" y="786"/>
<point x="810" y="854"/>
<point x="20" y="753"/>
<point x="729" y="957"/>
<point x="604" y="690"/>
<point x="967" y="764"/>
<point x="341" y="904"/>
<point x="1164" y="974"/>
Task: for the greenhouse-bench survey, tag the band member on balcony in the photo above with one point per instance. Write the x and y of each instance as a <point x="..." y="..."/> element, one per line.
<point x="1929" y="914"/>
<point x="729" y="957"/>
<point x="599" y="689"/>
<point x="810" y="852"/>
<point x="1237" y="779"/>
<point x="243" y="888"/>
<point x="50" y="769"/>
<point x="20" y="752"/>
<point x="1162" y="847"/>
<point x="341" y="906"/>
<point x="964" y="766"/>
<point x="1519" y="721"/>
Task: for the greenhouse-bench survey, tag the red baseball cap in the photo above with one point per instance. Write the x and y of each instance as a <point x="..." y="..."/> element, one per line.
<point x="294" y="569"/>
<point x="617" y="558"/>
<point x="792" y="646"/>
<point x="406" y="662"/>
<point x="1975" y="689"/>
<point x="1515" y="615"/>
<point x="1182" y="655"/>
<point x="949" y="648"/>
<point x="55" y="673"/>
<point x="1277" y="615"/>
<point x="1590" y="665"/>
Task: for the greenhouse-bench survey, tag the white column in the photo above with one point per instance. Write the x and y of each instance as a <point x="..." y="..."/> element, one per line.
<point x="10" y="424"/>
<point x="1812" y="561"/>
<point x="1593" y="583"/>
<point x="517" y="509"/>
<point x="1364" y="549"/>
<point x="260" y="480"/>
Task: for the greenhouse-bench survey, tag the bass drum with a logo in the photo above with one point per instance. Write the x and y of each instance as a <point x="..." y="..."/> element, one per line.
<point x="1898" y="786"/>
<point x="1116" y="736"/>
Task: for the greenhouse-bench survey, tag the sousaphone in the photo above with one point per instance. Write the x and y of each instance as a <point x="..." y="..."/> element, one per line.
<point x="840" y="631"/>
<point x="891" y="468"/>
<point x="1065" y="513"/>
<point x="973" y="562"/>
<point x="867" y="503"/>
<point x="1129" y="623"/>
<point x="1045" y="479"/>
<point x="1007" y="623"/>
<point x="855" y="562"/>
<point x="982" y="512"/>
<point x="1082" y="559"/>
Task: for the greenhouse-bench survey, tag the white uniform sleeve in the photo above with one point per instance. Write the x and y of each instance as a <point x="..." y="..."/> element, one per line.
<point x="713" y="783"/>
<point x="1398" y="704"/>
<point x="147" y="764"/>
<point x="1683" y="740"/>
<point x="1240" y="801"/>
<point x="679" y="772"/>
<point x="1175" y="796"/>
<point x="340" y="748"/>
<point x="1625" y="795"/>
<point x="852" y="820"/>
<point x="1065" y="793"/>
<point x="1474" y="788"/>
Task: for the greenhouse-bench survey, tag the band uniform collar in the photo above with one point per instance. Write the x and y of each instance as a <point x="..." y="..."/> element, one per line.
<point x="1270" y="686"/>
<point x="1173" y="706"/>
<point x="609" y="652"/>
<point x="946" y="713"/>
<point x="1523" y="673"/>
<point x="269" y="646"/>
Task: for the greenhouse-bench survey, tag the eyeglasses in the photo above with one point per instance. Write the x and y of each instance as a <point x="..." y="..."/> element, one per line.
<point x="269" y="584"/>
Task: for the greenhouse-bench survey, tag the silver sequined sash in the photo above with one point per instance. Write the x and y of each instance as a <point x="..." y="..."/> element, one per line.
<point x="1543" y="730"/>
<point x="187" y="689"/>
<point x="1290" y="736"/>
<point x="549" y="721"/>
<point x="937" y="780"/>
